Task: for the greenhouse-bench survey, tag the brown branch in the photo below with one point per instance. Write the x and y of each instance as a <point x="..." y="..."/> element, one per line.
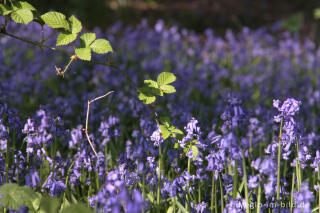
<point x="87" y="120"/>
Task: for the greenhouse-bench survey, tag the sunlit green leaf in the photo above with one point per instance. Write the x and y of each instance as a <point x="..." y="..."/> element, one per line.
<point x="164" y="131"/>
<point x="55" y="20"/>
<point x="65" y="38"/>
<point x="84" y="53"/>
<point x="101" y="46"/>
<point x="168" y="89"/>
<point x="75" y="25"/>
<point x="151" y="83"/>
<point x="22" y="5"/>
<point x="146" y="95"/>
<point x="22" y="16"/>
<point x="87" y="39"/>
<point x="166" y="78"/>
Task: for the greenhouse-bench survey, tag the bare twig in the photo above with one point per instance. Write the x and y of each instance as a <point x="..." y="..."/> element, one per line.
<point x="3" y="31"/>
<point x="87" y="119"/>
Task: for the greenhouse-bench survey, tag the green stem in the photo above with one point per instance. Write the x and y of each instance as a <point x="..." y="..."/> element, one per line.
<point x="259" y="198"/>
<point x="212" y="192"/>
<point x="159" y="181"/>
<point x="298" y="168"/>
<point x="235" y="180"/>
<point x="221" y="193"/>
<point x="279" y="160"/>
<point x="189" y="169"/>
<point x="292" y="190"/>
<point x="246" y="194"/>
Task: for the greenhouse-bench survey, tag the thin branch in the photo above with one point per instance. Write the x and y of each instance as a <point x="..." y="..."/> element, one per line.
<point x="3" y="31"/>
<point x="87" y="119"/>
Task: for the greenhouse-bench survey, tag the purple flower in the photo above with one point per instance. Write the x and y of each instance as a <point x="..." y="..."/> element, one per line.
<point x="303" y="198"/>
<point x="156" y="138"/>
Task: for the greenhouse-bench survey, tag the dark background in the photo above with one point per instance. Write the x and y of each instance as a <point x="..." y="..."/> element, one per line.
<point x="192" y="14"/>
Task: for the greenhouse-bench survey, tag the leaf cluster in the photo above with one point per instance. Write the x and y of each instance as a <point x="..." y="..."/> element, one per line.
<point x="23" y="13"/>
<point x="151" y="88"/>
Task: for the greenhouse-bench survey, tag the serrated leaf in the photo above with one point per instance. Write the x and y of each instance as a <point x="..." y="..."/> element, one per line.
<point x="55" y="20"/>
<point x="5" y="10"/>
<point x="164" y="131"/>
<point x="22" y="16"/>
<point x="79" y="208"/>
<point x="75" y="25"/>
<point x="101" y="46"/>
<point x="166" y="78"/>
<point x="65" y="38"/>
<point x="151" y="83"/>
<point x="87" y="39"/>
<point x="147" y="99"/>
<point x="49" y="205"/>
<point x="22" y="5"/>
<point x="84" y="53"/>
<point x="15" y="196"/>
<point x="168" y="89"/>
<point x="147" y="94"/>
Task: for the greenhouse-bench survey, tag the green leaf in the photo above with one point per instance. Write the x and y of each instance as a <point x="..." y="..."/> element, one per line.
<point x="180" y="206"/>
<point x="65" y="38"/>
<point x="170" y="209"/>
<point x="151" y="83"/>
<point x="164" y="131"/>
<point x="22" y="16"/>
<point x="87" y="39"/>
<point x="146" y="94"/>
<point x="36" y="201"/>
<point x="5" y="10"/>
<point x="176" y="146"/>
<point x="65" y="204"/>
<point x="84" y="53"/>
<point x="101" y="46"/>
<point x="75" y="25"/>
<point x="195" y="151"/>
<point x="79" y="208"/>
<point x="49" y="205"/>
<point x="168" y="89"/>
<point x="165" y="120"/>
<point x="150" y="197"/>
<point x="15" y="196"/>
<point x="22" y="5"/>
<point x="177" y="131"/>
<point x="166" y="78"/>
<point x="55" y="20"/>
